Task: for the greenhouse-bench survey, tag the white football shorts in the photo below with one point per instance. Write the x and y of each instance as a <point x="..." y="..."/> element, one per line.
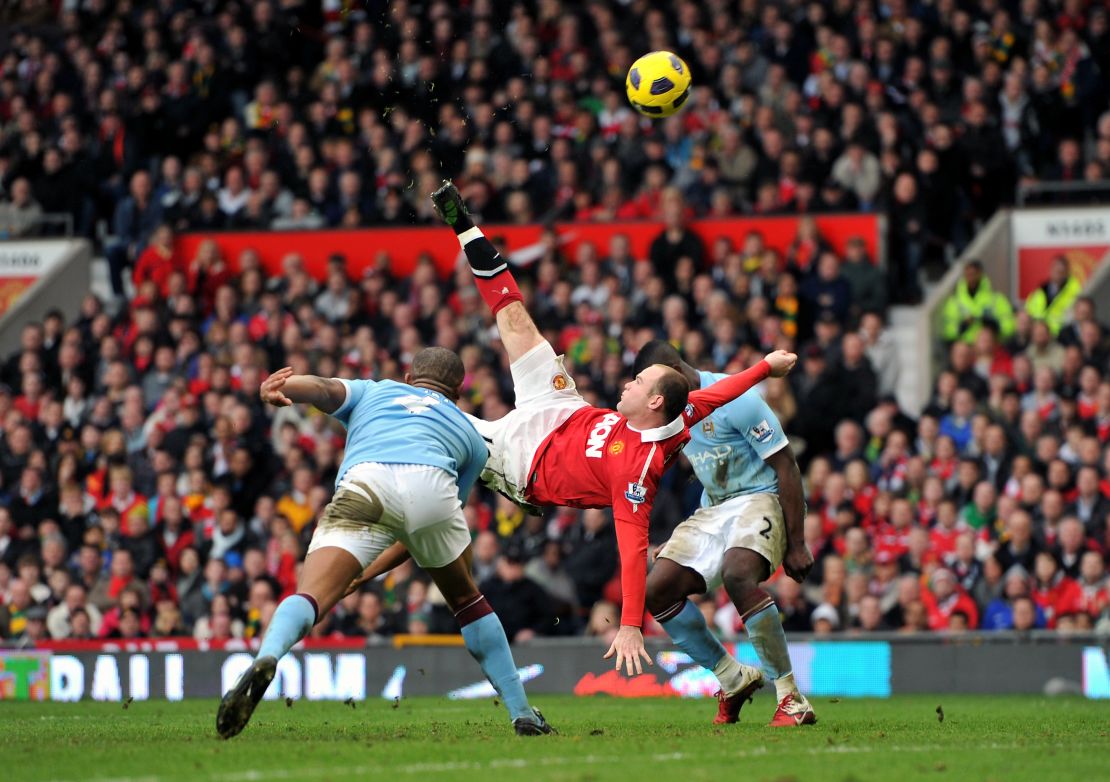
<point x="751" y="521"/>
<point x="545" y="398"/>
<point x="378" y="504"/>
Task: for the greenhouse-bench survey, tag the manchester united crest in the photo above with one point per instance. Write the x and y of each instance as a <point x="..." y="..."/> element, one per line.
<point x="559" y="382"/>
<point x="616" y="447"/>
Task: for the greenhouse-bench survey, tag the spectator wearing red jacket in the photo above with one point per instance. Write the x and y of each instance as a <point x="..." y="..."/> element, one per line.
<point x="943" y="536"/>
<point x="208" y="272"/>
<point x="1093" y="584"/>
<point x="174" y="532"/>
<point x="1055" y="593"/>
<point x="945" y="597"/>
<point x="131" y="598"/>
<point x="894" y="536"/>
<point x="122" y="497"/>
<point x="159" y="261"/>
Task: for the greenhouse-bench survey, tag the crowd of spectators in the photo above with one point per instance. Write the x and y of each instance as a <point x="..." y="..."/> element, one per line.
<point x="286" y="114"/>
<point x="144" y="490"/>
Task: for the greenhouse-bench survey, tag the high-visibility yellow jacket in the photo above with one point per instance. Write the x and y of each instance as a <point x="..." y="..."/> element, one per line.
<point x="964" y="314"/>
<point x="1053" y="311"/>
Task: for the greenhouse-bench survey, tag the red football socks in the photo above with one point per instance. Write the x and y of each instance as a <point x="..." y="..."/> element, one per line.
<point x="491" y="273"/>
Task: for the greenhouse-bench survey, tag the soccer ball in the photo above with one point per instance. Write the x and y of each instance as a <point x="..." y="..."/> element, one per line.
<point x="658" y="84"/>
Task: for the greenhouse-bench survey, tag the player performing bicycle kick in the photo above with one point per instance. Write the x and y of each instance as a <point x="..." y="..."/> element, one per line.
<point x="554" y="448"/>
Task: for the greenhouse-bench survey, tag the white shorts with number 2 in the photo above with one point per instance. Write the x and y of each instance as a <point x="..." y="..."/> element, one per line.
<point x="751" y="521"/>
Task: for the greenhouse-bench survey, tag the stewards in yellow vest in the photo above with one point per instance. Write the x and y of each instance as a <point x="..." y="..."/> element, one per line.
<point x="972" y="303"/>
<point x="1053" y="300"/>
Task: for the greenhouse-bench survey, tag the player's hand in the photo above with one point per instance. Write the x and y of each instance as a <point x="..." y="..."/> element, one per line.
<point x="628" y="647"/>
<point x="798" y="561"/>
<point x="270" y="390"/>
<point x="356" y="584"/>
<point x="781" y="362"/>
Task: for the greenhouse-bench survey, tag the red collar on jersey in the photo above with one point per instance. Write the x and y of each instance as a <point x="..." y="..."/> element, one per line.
<point x="660" y="432"/>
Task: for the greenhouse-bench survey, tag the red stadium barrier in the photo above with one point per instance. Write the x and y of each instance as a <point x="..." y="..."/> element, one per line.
<point x="184" y="644"/>
<point x="406" y="245"/>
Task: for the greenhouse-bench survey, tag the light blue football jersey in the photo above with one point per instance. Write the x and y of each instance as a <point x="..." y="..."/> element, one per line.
<point x="395" y="423"/>
<point x="727" y="449"/>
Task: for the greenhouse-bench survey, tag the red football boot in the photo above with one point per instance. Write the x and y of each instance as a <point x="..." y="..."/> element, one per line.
<point x="728" y="706"/>
<point x="794" y="710"/>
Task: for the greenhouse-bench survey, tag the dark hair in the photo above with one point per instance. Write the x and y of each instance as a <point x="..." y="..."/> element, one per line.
<point x="28" y="559"/>
<point x="675" y="390"/>
<point x="657" y="351"/>
<point x="439" y="366"/>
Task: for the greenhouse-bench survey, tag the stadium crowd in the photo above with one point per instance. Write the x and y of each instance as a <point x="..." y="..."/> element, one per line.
<point x="144" y="491"/>
<point x="211" y="115"/>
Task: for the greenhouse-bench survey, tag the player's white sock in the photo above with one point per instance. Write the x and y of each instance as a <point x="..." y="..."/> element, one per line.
<point x="785" y="685"/>
<point x="730" y="674"/>
<point x="769" y="641"/>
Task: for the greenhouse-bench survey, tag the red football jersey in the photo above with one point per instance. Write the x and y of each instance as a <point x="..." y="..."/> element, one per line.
<point x="596" y="460"/>
<point x="942" y="542"/>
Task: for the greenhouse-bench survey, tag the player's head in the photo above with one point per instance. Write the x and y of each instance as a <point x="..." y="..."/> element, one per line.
<point x="656" y="396"/>
<point x="657" y="351"/>
<point x="439" y="369"/>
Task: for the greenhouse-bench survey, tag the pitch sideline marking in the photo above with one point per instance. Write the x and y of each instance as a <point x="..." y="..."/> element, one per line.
<point x="558" y="760"/>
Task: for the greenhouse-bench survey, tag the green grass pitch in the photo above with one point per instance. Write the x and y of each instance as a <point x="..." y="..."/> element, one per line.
<point x="980" y="738"/>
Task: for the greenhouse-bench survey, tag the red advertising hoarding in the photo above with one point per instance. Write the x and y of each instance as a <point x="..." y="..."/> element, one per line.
<point x="406" y="245"/>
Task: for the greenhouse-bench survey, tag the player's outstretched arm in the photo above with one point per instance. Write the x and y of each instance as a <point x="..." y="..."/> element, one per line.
<point x="705" y="400"/>
<point x="633" y="497"/>
<point x="283" y="388"/>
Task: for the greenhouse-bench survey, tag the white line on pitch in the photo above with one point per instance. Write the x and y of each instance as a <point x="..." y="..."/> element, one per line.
<point x="262" y="775"/>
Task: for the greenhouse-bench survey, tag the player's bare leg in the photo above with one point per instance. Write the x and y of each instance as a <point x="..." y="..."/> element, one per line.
<point x="670" y="583"/>
<point x="486" y="641"/>
<point x="743" y="572"/>
<point x="491" y="274"/>
<point x="327" y="573"/>
<point x="518" y="331"/>
<point x="668" y="586"/>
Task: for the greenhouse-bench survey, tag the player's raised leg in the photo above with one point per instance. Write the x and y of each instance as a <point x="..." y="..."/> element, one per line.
<point x="487" y="643"/>
<point x="491" y="274"/>
<point x="743" y="571"/>
<point x="327" y="573"/>
<point x="668" y="587"/>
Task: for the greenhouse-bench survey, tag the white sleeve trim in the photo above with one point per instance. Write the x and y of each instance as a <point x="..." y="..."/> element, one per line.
<point x="785" y="442"/>
<point x="346" y="395"/>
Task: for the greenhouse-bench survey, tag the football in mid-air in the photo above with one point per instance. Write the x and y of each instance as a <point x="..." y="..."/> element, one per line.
<point x="658" y="84"/>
